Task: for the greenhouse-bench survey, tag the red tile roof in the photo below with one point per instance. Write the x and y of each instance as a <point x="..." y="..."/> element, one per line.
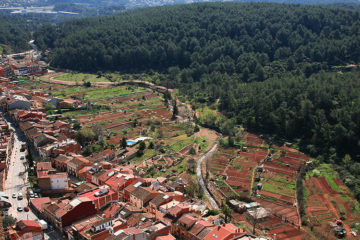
<point x="223" y="232"/>
<point x="199" y="226"/>
<point x="91" y="194"/>
<point x="166" y="237"/>
<point x="44" y="166"/>
<point x="31" y="226"/>
<point x="113" y="209"/>
<point x="187" y="220"/>
<point x="176" y="210"/>
<point x="107" y="152"/>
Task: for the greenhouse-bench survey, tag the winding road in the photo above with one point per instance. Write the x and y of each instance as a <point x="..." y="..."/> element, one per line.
<point x="201" y="180"/>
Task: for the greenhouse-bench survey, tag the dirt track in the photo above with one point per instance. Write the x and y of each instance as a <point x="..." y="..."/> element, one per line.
<point x="150" y="85"/>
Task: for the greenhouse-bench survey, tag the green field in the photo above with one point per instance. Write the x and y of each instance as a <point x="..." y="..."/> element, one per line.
<point x="81" y="77"/>
<point x="178" y="143"/>
<point x="279" y="188"/>
<point x="83" y="112"/>
<point x="95" y="93"/>
<point x="325" y="170"/>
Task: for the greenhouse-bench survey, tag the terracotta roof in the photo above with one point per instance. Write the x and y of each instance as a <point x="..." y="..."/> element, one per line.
<point x="72" y="204"/>
<point x="176" y="210"/>
<point x="166" y="237"/>
<point x="159" y="199"/>
<point x="107" y="152"/>
<point x="204" y="232"/>
<point x="69" y="100"/>
<point x="44" y="166"/>
<point x="106" y="175"/>
<point x="141" y="193"/>
<point x="223" y="232"/>
<point x="79" y="160"/>
<point x="113" y="209"/>
<point x="29" y="224"/>
<point x="85" y="187"/>
<point x="60" y="123"/>
<point x="63" y="158"/>
<point x="39" y="202"/>
<point x="132" y="231"/>
<point x="199" y="226"/>
<point x="187" y="220"/>
<point x="133" y="186"/>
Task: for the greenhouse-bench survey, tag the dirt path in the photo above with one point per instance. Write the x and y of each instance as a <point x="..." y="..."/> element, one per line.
<point x="50" y="79"/>
<point x="333" y="209"/>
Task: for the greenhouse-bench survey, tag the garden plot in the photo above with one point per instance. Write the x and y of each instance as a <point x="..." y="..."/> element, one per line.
<point x="328" y="199"/>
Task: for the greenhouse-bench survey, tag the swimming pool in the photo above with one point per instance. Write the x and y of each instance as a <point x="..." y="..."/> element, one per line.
<point x="130" y="142"/>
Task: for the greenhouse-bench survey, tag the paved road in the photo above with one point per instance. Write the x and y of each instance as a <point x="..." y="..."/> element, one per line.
<point x="201" y="181"/>
<point x="16" y="181"/>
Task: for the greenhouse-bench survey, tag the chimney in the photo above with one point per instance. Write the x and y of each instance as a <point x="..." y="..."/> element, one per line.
<point x="274" y="236"/>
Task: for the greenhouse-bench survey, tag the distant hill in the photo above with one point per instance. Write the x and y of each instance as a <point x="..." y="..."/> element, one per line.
<point x="14" y="33"/>
<point x="207" y="37"/>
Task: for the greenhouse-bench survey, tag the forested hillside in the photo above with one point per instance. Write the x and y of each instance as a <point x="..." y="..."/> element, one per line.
<point x="250" y="40"/>
<point x="265" y="63"/>
<point x="14" y="33"/>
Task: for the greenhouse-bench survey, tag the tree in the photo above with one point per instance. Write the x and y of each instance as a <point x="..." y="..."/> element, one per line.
<point x="227" y="212"/>
<point x="123" y="142"/>
<point x="8" y="221"/>
<point x="49" y="107"/>
<point x="231" y="141"/>
<point x="85" y="135"/>
<point x="151" y="145"/>
<point x="142" y="146"/>
<point x="192" y="151"/>
<point x="175" y="109"/>
<point x="196" y="128"/>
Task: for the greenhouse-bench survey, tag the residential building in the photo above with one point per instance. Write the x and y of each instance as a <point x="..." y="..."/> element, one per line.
<point x="74" y="165"/>
<point x="100" y="196"/>
<point x="27" y="230"/>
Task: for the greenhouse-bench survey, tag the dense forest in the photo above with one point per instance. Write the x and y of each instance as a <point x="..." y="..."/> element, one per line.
<point x="273" y="68"/>
<point x="14" y="33"/>
<point x="250" y="40"/>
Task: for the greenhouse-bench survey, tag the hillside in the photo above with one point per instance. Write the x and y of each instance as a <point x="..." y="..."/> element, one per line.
<point x="262" y="65"/>
<point x="14" y="34"/>
<point x="234" y="38"/>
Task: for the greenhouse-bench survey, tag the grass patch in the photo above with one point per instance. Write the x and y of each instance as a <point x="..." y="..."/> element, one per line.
<point x="278" y="188"/>
<point x="83" y="112"/>
<point x="147" y="153"/>
<point x="81" y="77"/>
<point x="325" y="170"/>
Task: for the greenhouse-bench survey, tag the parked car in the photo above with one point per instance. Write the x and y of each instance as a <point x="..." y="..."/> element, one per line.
<point x="31" y="194"/>
<point x="14" y="195"/>
<point x="20" y="196"/>
<point x="36" y="195"/>
<point x="26" y="209"/>
<point x="19" y="209"/>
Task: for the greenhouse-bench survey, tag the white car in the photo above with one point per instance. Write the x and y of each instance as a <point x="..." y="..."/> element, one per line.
<point x="20" y="196"/>
<point x="14" y="195"/>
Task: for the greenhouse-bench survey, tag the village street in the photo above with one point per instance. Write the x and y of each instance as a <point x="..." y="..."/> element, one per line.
<point x="17" y="181"/>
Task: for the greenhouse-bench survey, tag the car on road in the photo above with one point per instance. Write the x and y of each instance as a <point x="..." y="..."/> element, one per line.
<point x="26" y="209"/>
<point x="22" y="157"/>
<point x="19" y="209"/>
<point x="20" y="196"/>
<point x="14" y="195"/>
